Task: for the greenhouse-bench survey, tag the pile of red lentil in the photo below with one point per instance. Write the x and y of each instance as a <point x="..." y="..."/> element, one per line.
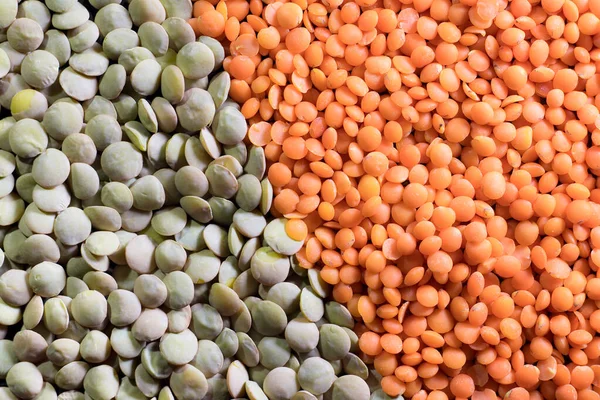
<point x="441" y="160"/>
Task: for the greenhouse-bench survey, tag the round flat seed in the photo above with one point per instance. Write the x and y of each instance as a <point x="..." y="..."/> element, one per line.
<point x="12" y="82"/>
<point x="36" y="11"/>
<point x="154" y="37"/>
<point x="165" y="114"/>
<point x="169" y="222"/>
<point x="350" y="387"/>
<point x="14" y="289"/>
<point x="24" y="380"/>
<point x="250" y="224"/>
<point x="39" y="69"/>
<point x="51" y="168"/>
<point x="256" y="164"/>
<point x="231" y="163"/>
<point x="56" y="199"/>
<point x="311" y="305"/>
<point x="179" y="320"/>
<point x="128" y="390"/>
<point x="269" y="267"/>
<point x="339" y="315"/>
<point x="77" y="85"/>
<point x="179" y="31"/>
<point x="84" y="181"/>
<point x="319" y="286"/>
<point x="172" y="83"/>
<point x="147" y="115"/>
<point x="25" y="35"/>
<point x="237" y="376"/>
<point x="210" y="143"/>
<point x="191" y="237"/>
<point x="175" y="151"/>
<point x="208" y="358"/>
<point x="97" y="106"/>
<point x="113" y="81"/>
<point x="235" y="241"/>
<point x="98" y="263"/>
<point x="72" y="375"/>
<point x="91" y="62"/>
<point x="118" y="40"/>
<point x="125" y="307"/>
<point x="111" y="17"/>
<point x="101" y="382"/>
<point x="191" y="181"/>
<point x="195" y="155"/>
<point x="104" y="218"/>
<point x="353" y="365"/>
<point x="89" y="308"/>
<point x="247" y="253"/>
<point x="57" y="43"/>
<point x="276" y="237"/>
<point x="334" y="343"/>
<point x="170" y="256"/>
<point x="180" y="290"/>
<point x="124" y="344"/>
<point x="179" y="348"/>
<point x="197" y="208"/>
<point x="56" y="317"/>
<point x="156" y="149"/>
<point x="245" y="285"/>
<point x="84" y="36"/>
<point x="286" y="295"/>
<point x="72" y="18"/>
<point x="223" y="182"/>
<point x="61" y="120"/>
<point x="11" y="209"/>
<point x="155" y="363"/>
<point x="102" y="243"/>
<point x="140" y="254"/>
<point x="249" y="193"/>
<point x="195" y="60"/>
<point x="196" y="110"/>
<point x="9" y="13"/>
<point x="302" y="335"/>
<point x="7" y="162"/>
<point x="274" y="352"/>
<point x="121" y="161"/>
<point x="248" y="351"/>
<point x="229" y="126"/>
<point x="27" y="138"/>
<point x="126" y="107"/>
<point x="203" y="266"/>
<point x="216" y="48"/>
<point x="33" y="313"/>
<point x="148" y="193"/>
<point x="281" y="383"/>
<point x="207" y="322"/>
<point x="145" y="77"/>
<point x="47" y="279"/>
<point x="268" y="318"/>
<point x="95" y="347"/>
<point x="150" y="325"/>
<point x="117" y="195"/>
<point x="188" y="383"/>
<point x="215" y="238"/>
<point x="303" y="395"/>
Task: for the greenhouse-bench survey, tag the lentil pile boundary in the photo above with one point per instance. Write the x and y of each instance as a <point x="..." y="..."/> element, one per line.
<point x="440" y="160"/>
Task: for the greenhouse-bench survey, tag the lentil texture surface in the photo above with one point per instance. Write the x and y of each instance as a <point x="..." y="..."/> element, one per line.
<point x="137" y="256"/>
<point x="440" y="160"/>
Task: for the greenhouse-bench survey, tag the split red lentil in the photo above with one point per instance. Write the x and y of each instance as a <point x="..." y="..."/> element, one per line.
<point x="441" y="161"/>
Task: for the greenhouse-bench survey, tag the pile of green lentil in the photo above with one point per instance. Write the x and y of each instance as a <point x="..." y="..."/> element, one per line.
<point x="136" y="258"/>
